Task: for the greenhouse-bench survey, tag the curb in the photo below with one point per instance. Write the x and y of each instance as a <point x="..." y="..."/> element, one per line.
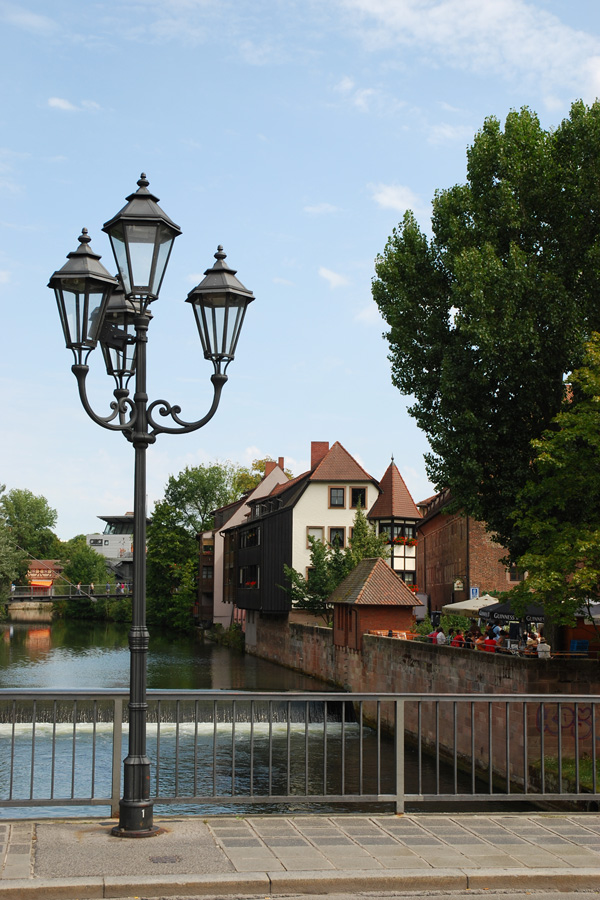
<point x="277" y="883"/>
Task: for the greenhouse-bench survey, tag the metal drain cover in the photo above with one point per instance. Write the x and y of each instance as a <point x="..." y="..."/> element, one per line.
<point x="165" y="859"/>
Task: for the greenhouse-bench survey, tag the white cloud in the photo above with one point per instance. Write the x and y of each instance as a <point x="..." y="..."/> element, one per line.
<point x="369" y="315"/>
<point x="367" y="99"/>
<point x="445" y="133"/>
<point x="512" y="39"/>
<point x="320" y="209"/>
<point x="283" y="281"/>
<point x="396" y="196"/>
<point x="334" y="279"/>
<point x="4" y="276"/>
<point x="60" y="103"/>
<point x="345" y="85"/>
<point x="26" y="20"/>
<point x="66" y="105"/>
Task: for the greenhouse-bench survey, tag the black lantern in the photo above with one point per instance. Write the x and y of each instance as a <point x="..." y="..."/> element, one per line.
<point x="219" y="303"/>
<point x="117" y="338"/>
<point x="82" y="288"/>
<point x="142" y="236"/>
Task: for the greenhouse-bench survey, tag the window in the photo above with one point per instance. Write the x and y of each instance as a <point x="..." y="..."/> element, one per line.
<point x="337" y="497"/>
<point x="250" y="537"/>
<point x="337" y="537"/>
<point x="515" y="574"/>
<point x="250" y="577"/>
<point x="358" y="496"/>
<point x="399" y="533"/>
<point x="315" y="532"/>
<point x="207" y="573"/>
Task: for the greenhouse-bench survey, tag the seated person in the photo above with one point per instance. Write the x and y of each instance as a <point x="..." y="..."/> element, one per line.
<point x="543" y="648"/>
<point x="458" y="639"/>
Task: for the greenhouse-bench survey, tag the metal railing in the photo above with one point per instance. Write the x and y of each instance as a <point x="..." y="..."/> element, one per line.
<point x="215" y="749"/>
<point x="66" y="591"/>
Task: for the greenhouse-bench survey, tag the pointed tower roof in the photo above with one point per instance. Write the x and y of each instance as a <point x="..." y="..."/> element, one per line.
<point x="338" y="465"/>
<point x="395" y="499"/>
<point x="374" y="583"/>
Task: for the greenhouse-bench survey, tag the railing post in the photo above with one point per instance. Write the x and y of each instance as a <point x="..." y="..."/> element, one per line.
<point x="117" y="753"/>
<point x="399" y="752"/>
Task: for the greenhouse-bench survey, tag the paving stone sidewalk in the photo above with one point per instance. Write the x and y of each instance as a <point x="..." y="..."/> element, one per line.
<point x="259" y="855"/>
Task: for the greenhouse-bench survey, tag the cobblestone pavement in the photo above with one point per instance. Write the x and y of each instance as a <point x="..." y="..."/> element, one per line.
<point x="303" y="855"/>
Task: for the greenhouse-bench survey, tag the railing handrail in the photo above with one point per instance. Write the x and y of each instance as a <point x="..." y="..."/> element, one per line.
<point x="215" y="693"/>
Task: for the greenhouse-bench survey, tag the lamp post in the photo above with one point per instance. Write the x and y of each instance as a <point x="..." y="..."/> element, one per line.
<point x="96" y="308"/>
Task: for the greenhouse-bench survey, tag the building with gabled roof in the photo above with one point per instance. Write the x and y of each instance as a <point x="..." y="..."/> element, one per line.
<point x="395" y="514"/>
<point x="371" y="597"/>
<point x="320" y="503"/>
<point x="217" y="561"/>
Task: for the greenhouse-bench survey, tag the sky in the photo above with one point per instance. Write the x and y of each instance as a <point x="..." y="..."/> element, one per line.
<point x="294" y="133"/>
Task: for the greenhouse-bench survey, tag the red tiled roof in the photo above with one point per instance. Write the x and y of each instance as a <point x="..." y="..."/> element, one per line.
<point x="279" y="488"/>
<point x="338" y="465"/>
<point x="395" y="499"/>
<point x="374" y="583"/>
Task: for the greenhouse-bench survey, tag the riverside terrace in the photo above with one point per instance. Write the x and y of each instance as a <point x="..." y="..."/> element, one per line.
<point x="530" y="645"/>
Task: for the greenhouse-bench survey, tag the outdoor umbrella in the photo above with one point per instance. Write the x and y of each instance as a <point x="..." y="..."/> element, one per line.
<point x="468" y="607"/>
<point x="502" y="612"/>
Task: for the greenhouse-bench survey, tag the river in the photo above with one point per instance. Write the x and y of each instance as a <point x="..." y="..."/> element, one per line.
<point x="87" y="655"/>
<point x="90" y="656"/>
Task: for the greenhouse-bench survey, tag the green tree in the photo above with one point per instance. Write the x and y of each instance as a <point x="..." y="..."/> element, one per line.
<point x="82" y="563"/>
<point x="10" y="559"/>
<point x="197" y="491"/>
<point x="246" y="479"/>
<point x="365" y="543"/>
<point x="29" y="519"/>
<point x="172" y="562"/>
<point x="329" y="565"/>
<point x="486" y="316"/>
<point x="558" y="510"/>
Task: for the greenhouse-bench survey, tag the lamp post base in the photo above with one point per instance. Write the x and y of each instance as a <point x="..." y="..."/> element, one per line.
<point x="135" y="820"/>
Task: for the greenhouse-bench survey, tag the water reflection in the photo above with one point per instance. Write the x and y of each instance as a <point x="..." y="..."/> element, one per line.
<point x="88" y="655"/>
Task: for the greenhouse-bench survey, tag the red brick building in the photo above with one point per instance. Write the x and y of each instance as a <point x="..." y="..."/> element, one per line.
<point x="455" y="553"/>
<point x="371" y="597"/>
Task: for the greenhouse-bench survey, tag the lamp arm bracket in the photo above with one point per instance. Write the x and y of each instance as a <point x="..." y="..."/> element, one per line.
<point x="165" y="409"/>
<point x="119" y="406"/>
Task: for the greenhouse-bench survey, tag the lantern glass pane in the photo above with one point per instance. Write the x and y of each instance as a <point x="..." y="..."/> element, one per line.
<point x="94" y="308"/>
<point x="165" y="242"/>
<point x="141" y="242"/>
<point x="120" y="253"/>
<point x="73" y="302"/>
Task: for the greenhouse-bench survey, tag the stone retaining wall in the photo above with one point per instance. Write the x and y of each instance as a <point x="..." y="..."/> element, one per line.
<point x="388" y="665"/>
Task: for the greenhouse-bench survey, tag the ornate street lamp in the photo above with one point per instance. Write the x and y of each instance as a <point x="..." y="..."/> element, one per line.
<point x="96" y="308"/>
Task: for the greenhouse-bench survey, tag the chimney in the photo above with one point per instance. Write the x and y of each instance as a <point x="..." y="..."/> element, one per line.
<point x="270" y="464"/>
<point x="318" y="452"/>
<point x="281" y="462"/>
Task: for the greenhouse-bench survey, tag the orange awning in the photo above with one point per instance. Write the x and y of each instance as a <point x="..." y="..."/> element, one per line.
<point x="41" y="582"/>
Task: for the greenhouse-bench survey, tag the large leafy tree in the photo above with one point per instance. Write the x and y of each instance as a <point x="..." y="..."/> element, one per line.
<point x="246" y="479"/>
<point x="558" y="510"/>
<point x="82" y="563"/>
<point x="172" y="562"/>
<point x="10" y="556"/>
<point x="197" y="491"/>
<point x="487" y="315"/>
<point x="329" y="565"/>
<point x="29" y="520"/>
